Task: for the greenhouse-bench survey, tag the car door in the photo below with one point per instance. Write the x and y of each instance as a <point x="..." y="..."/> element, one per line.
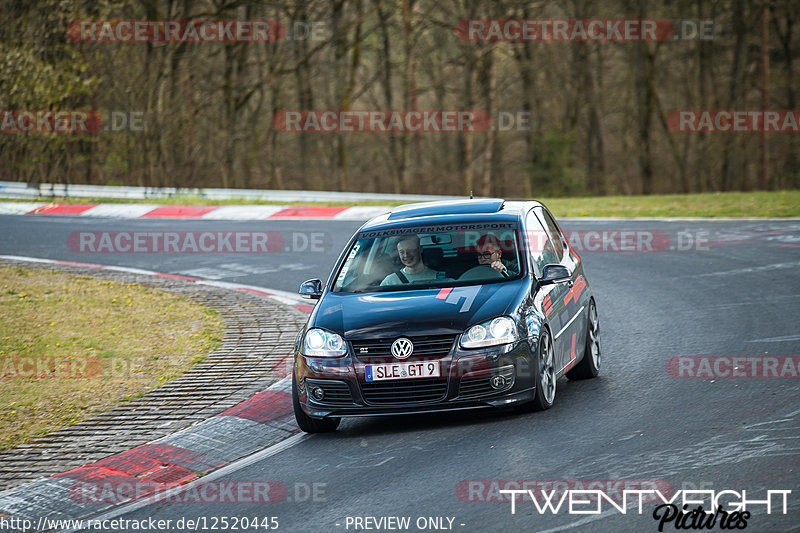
<point x="578" y="297"/>
<point x="551" y="298"/>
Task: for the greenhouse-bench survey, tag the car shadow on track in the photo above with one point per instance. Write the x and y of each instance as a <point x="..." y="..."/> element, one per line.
<point x="571" y="395"/>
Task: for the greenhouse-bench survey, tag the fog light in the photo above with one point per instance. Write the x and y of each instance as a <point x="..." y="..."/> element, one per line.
<point x="497" y="382"/>
<point x="317" y="393"/>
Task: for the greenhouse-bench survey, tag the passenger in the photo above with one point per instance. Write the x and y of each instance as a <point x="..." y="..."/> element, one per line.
<point x="490" y="254"/>
<point x="410" y="252"/>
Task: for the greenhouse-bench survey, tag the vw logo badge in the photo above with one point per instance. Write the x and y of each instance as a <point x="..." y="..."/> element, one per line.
<point x="402" y="348"/>
<point x="498" y="382"/>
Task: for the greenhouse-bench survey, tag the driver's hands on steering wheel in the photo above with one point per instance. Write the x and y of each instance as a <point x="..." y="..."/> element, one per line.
<point x="500" y="267"/>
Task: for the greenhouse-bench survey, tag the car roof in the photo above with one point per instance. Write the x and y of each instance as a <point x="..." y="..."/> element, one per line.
<point x="451" y="211"/>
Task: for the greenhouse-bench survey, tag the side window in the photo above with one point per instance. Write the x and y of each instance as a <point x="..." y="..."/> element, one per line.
<point x="538" y="244"/>
<point x="552" y="231"/>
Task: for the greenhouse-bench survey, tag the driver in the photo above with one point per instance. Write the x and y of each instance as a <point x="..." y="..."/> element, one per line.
<point x="410" y="253"/>
<point x="490" y="254"/>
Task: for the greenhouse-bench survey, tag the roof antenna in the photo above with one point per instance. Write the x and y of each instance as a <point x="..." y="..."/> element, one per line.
<point x="470" y="194"/>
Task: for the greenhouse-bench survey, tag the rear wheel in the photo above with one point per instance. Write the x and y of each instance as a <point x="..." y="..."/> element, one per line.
<point x="305" y="422"/>
<point x="590" y="364"/>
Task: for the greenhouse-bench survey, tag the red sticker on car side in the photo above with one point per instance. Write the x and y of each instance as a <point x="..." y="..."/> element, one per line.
<point x="576" y="290"/>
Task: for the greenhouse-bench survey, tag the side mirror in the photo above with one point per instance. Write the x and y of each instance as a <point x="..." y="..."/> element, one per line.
<point x="555" y="274"/>
<point x="311" y="289"/>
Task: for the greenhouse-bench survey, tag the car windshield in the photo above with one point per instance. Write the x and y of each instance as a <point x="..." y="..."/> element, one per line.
<point x="431" y="257"/>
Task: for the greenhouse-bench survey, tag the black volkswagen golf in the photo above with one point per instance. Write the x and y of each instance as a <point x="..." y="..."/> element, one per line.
<point x="442" y="306"/>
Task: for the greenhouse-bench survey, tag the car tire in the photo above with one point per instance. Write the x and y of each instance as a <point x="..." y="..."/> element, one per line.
<point x="544" y="374"/>
<point x="589" y="366"/>
<point x="305" y="422"/>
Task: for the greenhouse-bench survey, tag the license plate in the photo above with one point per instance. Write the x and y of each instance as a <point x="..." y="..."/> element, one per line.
<point x="405" y="370"/>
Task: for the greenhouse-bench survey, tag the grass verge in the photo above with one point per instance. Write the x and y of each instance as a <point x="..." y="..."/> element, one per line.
<point x="727" y="204"/>
<point x="74" y="346"/>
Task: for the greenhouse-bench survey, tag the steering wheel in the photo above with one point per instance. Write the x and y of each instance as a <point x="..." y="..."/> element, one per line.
<point x="480" y="272"/>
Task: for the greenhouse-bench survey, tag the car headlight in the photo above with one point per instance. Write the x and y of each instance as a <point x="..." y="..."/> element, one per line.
<point x="500" y="330"/>
<point x="321" y="343"/>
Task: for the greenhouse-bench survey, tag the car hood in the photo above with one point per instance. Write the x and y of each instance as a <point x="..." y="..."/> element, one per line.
<point x="414" y="312"/>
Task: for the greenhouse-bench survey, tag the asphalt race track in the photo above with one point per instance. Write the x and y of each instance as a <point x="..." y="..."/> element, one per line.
<point x="709" y="289"/>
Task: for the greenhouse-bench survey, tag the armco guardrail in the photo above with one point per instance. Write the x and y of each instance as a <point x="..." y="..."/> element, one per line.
<point x="13" y="189"/>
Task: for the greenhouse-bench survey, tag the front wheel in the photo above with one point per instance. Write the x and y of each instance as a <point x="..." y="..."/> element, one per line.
<point x="590" y="364"/>
<point x="545" y="373"/>
<point x="305" y="422"/>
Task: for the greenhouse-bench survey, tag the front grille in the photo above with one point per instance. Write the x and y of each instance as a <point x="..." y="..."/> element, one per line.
<point x="479" y="385"/>
<point x="428" y="347"/>
<point x="336" y="392"/>
<point x="404" y="391"/>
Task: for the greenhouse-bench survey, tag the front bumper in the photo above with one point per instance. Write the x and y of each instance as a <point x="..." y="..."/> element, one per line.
<point x="491" y="377"/>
